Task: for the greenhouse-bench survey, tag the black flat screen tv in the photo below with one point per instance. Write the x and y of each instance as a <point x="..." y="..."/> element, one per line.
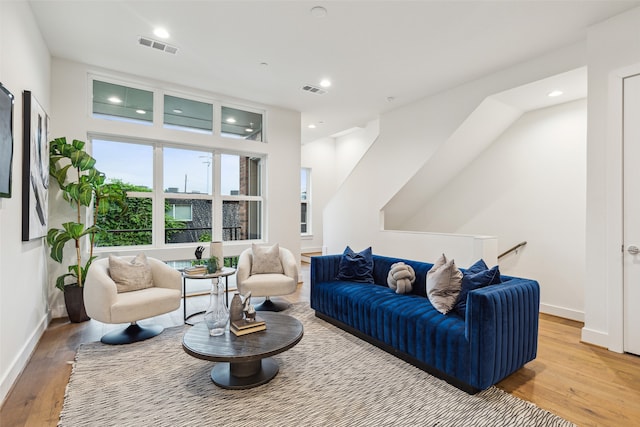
<point x="6" y="140"/>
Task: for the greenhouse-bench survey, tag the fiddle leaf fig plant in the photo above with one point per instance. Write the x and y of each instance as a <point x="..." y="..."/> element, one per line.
<point x="81" y="185"/>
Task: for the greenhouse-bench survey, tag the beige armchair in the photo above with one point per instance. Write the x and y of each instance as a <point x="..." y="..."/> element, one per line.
<point x="267" y="284"/>
<point x="104" y="303"/>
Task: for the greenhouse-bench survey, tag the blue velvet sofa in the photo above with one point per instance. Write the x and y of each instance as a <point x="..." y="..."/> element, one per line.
<point x="498" y="335"/>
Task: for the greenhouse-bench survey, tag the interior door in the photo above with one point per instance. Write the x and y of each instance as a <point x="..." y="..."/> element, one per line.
<point x="631" y="266"/>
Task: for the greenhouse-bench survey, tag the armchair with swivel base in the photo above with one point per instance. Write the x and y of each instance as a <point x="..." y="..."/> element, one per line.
<point x="129" y="290"/>
<point x="267" y="272"/>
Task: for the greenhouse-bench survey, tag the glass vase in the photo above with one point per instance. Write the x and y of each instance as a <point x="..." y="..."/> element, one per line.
<point x="217" y="315"/>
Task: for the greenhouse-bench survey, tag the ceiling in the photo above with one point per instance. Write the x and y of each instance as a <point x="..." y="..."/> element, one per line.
<point x="379" y="55"/>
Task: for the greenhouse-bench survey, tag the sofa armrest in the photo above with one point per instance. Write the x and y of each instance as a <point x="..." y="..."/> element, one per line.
<point x="502" y="329"/>
<point x="324" y="268"/>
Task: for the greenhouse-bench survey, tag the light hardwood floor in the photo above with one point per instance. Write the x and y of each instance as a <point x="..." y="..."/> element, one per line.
<point x="587" y="385"/>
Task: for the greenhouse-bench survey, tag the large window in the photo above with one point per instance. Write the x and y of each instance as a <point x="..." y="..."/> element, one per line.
<point x="305" y="200"/>
<point x="173" y="195"/>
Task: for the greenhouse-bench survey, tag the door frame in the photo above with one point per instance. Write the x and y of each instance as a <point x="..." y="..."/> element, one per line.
<point x="613" y="338"/>
<point x="625" y="236"/>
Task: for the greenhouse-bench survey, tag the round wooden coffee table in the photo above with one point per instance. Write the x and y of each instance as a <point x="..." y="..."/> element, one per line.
<point x="244" y="361"/>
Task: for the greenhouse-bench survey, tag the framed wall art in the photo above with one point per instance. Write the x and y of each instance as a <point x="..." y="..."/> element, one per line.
<point x="35" y="169"/>
<point x="6" y="140"/>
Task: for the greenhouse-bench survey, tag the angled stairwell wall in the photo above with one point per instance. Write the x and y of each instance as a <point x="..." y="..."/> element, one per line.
<point x="409" y="136"/>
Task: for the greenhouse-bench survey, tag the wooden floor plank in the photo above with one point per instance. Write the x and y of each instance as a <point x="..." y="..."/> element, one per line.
<point x="587" y="385"/>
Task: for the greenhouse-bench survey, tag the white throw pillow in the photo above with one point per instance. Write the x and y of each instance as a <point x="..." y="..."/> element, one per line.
<point x="131" y="275"/>
<point x="266" y="259"/>
<point x="444" y="282"/>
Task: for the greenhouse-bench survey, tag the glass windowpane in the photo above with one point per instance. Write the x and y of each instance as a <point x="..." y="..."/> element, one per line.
<point x="128" y="163"/>
<point x="185" y="114"/>
<point x="240" y="175"/>
<point x="198" y="229"/>
<point x="241" y="220"/>
<point x="241" y="124"/>
<point x="129" y="228"/>
<point x="118" y="102"/>
<point x="187" y="171"/>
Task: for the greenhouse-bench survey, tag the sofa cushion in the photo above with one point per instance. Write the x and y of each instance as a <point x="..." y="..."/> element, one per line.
<point x="356" y="267"/>
<point x="444" y="281"/>
<point x="131" y="275"/>
<point x="266" y="260"/>
<point x="477" y="276"/>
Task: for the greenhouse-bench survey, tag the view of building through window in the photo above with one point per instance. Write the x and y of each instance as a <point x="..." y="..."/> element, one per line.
<point x="186" y="187"/>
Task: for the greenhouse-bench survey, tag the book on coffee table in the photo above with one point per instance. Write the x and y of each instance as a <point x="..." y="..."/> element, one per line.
<point x="245" y="324"/>
<point x="245" y="331"/>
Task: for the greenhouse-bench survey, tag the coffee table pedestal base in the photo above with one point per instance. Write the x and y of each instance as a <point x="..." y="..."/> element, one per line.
<point x="240" y="376"/>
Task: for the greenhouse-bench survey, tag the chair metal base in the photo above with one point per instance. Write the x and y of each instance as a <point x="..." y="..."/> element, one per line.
<point x="133" y="333"/>
<point x="270" y="305"/>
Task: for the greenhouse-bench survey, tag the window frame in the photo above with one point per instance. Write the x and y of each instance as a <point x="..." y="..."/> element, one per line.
<point x="307" y="202"/>
<point x="158" y="195"/>
<point x="158" y="109"/>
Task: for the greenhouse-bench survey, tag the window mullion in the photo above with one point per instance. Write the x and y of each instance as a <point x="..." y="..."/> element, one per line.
<point x="158" y="198"/>
<point x="217" y="199"/>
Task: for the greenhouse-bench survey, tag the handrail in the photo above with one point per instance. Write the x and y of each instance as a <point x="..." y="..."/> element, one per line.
<point x="515" y="248"/>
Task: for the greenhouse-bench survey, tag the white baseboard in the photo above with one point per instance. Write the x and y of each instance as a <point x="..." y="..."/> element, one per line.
<point x="594" y="337"/>
<point x="566" y="313"/>
<point x="311" y="250"/>
<point x="22" y="358"/>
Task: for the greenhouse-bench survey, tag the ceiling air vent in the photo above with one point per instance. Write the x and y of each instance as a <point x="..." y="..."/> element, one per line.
<point x="314" y="89"/>
<point x="145" y="41"/>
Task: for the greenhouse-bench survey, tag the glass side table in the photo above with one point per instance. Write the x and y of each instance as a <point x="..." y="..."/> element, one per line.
<point x="214" y="277"/>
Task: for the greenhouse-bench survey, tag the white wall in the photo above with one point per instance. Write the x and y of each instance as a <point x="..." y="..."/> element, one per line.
<point x="320" y="157"/>
<point x="72" y="118"/>
<point x="529" y="185"/>
<point x="24" y="65"/>
<point x="353" y="215"/>
<point x="614" y="52"/>
<point x="331" y="160"/>
<point x="351" y="147"/>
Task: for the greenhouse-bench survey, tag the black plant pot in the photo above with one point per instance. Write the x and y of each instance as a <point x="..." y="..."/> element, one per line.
<point x="74" y="300"/>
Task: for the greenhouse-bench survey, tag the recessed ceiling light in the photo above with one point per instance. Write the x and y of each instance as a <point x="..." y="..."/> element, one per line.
<point x="325" y="82"/>
<point x="141" y="112"/>
<point x="312" y="126"/>
<point x="318" y="12"/>
<point x="555" y="93"/>
<point x="177" y="111"/>
<point x="161" y="32"/>
<point x="248" y="130"/>
<point x="231" y="120"/>
<point x="114" y="99"/>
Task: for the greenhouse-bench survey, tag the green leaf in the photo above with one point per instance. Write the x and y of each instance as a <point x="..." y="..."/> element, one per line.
<point x="60" y="281"/>
<point x="74" y="230"/>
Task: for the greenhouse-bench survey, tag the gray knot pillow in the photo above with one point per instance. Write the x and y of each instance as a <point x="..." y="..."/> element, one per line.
<point x="401" y="277"/>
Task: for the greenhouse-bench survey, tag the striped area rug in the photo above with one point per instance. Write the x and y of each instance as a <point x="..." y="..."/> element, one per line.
<point x="329" y="379"/>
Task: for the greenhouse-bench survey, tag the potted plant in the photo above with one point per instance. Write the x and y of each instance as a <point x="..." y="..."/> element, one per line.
<point x="81" y="185"/>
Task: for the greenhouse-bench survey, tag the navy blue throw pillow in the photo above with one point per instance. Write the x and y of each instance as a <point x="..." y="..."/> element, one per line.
<point x="477" y="276"/>
<point x="356" y="267"/>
